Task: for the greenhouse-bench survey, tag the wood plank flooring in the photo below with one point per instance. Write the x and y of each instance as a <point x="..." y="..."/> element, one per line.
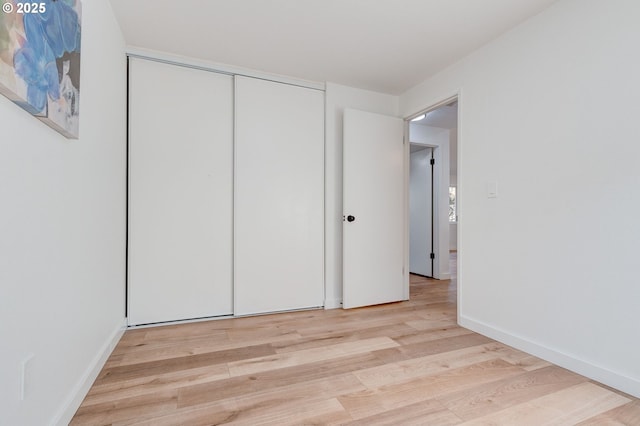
<point x="404" y="363"/>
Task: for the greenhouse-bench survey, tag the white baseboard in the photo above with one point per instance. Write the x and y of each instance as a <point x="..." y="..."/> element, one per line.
<point x="445" y="276"/>
<point x="333" y="303"/>
<point x="598" y="373"/>
<point x="81" y="389"/>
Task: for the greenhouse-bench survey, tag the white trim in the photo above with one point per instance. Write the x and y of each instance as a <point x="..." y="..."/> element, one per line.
<point x="459" y="173"/>
<point x="218" y="318"/>
<point x="324" y="202"/>
<point x="601" y="374"/>
<point x="179" y="321"/>
<point x="169" y="58"/>
<point x="83" y="385"/>
<point x="444" y="276"/>
<point x="406" y="170"/>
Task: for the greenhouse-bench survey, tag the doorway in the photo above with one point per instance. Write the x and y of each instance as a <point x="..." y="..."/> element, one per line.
<point x="435" y="131"/>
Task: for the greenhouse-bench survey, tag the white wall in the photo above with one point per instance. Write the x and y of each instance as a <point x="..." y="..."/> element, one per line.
<point x="453" y="236"/>
<point x="453" y="156"/>
<point x="549" y="112"/>
<point x="337" y="99"/>
<point x="438" y="138"/>
<point x="62" y="249"/>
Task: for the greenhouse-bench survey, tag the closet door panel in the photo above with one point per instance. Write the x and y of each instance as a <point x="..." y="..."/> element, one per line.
<point x="180" y="193"/>
<point x="279" y="197"/>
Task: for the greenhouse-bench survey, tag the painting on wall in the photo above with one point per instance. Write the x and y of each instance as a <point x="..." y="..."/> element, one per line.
<point x="40" y="60"/>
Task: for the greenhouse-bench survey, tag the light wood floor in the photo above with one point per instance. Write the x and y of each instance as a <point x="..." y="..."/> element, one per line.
<point x="398" y="364"/>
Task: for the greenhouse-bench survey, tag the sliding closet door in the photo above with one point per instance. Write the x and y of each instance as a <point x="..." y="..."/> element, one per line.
<point x="279" y="197"/>
<point x="180" y="193"/>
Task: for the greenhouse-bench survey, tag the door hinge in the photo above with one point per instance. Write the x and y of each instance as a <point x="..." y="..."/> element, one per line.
<point x="432" y="255"/>
<point x="433" y="161"/>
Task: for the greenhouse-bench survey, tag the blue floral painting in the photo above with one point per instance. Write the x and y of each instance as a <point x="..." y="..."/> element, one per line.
<point x="40" y="60"/>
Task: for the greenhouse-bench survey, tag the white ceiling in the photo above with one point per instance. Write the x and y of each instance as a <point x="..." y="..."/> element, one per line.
<point x="387" y="46"/>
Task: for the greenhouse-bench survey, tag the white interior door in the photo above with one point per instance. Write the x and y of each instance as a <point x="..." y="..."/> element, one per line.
<point x="421" y="213"/>
<point x="373" y="196"/>
<point x="180" y="193"/>
<point x="279" y="197"/>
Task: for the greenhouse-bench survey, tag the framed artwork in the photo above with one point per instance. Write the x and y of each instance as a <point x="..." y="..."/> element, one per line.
<point x="40" y="60"/>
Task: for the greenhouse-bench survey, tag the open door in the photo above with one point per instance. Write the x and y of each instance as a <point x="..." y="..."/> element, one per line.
<point x="373" y="203"/>
<point x="421" y="211"/>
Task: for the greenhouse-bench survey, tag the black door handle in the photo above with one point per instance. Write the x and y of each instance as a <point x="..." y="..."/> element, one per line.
<point x="351" y="218"/>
